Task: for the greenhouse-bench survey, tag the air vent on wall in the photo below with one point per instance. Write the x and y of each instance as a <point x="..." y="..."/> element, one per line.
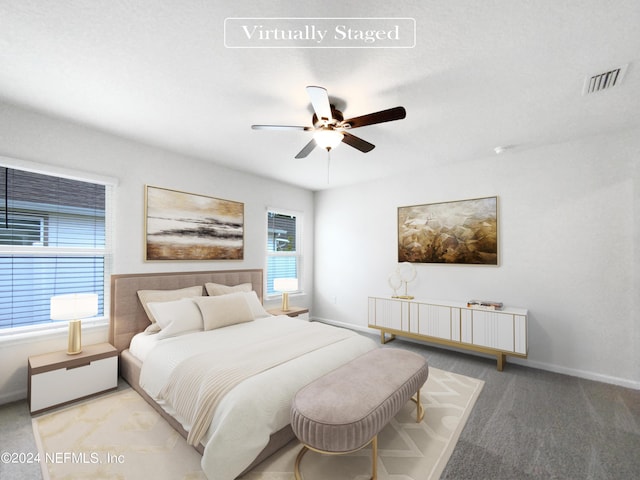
<point x="603" y="81"/>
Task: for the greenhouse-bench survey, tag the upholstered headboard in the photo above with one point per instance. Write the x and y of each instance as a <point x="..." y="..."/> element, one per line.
<point x="127" y="315"/>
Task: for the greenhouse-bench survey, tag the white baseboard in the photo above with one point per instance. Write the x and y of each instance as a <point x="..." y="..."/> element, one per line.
<point x="14" y="396"/>
<point x="572" y="372"/>
<point x="598" y="377"/>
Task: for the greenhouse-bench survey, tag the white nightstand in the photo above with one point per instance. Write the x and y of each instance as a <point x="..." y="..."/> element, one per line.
<point x="58" y="378"/>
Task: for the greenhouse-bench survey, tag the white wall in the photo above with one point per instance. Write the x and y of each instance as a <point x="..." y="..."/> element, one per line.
<point x="568" y="247"/>
<point x="29" y="136"/>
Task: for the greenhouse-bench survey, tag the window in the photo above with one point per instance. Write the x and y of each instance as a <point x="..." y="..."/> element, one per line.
<point x="283" y="247"/>
<point x="53" y="240"/>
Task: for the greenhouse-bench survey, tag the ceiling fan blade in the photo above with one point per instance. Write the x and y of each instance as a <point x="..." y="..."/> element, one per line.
<point x="389" y="115"/>
<point x="307" y="149"/>
<point x="357" y="142"/>
<point x="279" y="127"/>
<point x="320" y="101"/>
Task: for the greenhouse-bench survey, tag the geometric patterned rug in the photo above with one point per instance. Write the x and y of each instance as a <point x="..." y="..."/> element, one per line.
<point x="116" y="436"/>
<point x="119" y="436"/>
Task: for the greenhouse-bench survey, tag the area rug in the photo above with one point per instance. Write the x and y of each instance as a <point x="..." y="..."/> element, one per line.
<point x="119" y="436"/>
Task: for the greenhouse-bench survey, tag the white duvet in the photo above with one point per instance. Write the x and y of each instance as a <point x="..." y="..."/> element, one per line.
<point x="259" y="406"/>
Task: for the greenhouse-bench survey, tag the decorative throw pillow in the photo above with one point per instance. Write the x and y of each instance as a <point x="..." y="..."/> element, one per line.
<point x="176" y="317"/>
<point x="224" y="310"/>
<point x="147" y="296"/>
<point x="214" y="289"/>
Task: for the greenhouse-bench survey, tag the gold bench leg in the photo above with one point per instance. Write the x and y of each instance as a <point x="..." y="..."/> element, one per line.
<point x="296" y="469"/>
<point x="374" y="458"/>
<point x="419" y="407"/>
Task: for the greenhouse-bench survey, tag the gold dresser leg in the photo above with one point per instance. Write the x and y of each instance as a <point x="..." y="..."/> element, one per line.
<point x="384" y="339"/>
<point x="501" y="361"/>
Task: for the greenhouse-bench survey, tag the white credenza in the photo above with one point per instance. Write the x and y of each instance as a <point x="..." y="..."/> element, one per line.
<point x="496" y="332"/>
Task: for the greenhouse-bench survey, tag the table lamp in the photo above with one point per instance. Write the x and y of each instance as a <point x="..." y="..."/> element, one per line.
<point x="285" y="285"/>
<point x="74" y="307"/>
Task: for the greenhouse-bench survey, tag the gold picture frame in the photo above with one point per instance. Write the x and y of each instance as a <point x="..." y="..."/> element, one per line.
<point x="458" y="232"/>
<point x="188" y="226"/>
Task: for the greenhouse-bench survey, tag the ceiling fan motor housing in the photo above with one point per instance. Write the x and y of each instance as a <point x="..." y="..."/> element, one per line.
<point x="335" y="113"/>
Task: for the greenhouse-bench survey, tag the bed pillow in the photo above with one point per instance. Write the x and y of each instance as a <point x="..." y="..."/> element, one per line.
<point x="147" y="296"/>
<point x="214" y="289"/>
<point x="176" y="317"/>
<point x="257" y="310"/>
<point x="224" y="310"/>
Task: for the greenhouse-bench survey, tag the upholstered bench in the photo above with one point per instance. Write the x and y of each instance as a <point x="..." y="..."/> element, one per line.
<point x="344" y="410"/>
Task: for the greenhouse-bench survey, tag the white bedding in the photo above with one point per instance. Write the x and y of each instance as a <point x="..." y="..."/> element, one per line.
<point x="259" y="406"/>
<point x="142" y="343"/>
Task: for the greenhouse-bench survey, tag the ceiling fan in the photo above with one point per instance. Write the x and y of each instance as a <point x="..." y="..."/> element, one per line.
<point x="329" y="126"/>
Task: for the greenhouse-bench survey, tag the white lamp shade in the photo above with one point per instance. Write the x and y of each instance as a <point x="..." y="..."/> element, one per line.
<point x="74" y="306"/>
<point x="285" y="284"/>
<point x="327" y="138"/>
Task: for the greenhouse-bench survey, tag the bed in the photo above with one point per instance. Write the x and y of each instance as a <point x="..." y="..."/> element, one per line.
<point x="250" y="420"/>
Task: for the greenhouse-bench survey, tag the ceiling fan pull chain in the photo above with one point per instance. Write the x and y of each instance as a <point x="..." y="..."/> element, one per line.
<point x="328" y="164"/>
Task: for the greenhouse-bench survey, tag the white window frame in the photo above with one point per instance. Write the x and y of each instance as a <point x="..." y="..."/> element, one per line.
<point x="297" y="253"/>
<point x="108" y="251"/>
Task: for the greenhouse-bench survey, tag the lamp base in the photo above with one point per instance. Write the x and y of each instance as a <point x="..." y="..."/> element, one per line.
<point x="285" y="302"/>
<point x="75" y="337"/>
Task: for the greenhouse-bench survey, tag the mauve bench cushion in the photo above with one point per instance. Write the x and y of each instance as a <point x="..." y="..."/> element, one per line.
<point x="343" y="410"/>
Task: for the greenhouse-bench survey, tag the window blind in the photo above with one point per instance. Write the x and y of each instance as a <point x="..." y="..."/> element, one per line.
<point x="53" y="241"/>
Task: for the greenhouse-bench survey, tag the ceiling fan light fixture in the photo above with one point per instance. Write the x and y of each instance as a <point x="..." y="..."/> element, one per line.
<point x="328" y="138"/>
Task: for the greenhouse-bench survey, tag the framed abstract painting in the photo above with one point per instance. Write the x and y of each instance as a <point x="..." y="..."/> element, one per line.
<point x="459" y="232"/>
<point x="187" y="226"/>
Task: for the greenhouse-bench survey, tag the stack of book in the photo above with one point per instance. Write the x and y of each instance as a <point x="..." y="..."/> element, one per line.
<point x="484" y="304"/>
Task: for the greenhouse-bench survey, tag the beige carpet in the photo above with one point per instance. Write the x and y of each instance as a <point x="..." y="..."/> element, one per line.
<point x="119" y="436"/>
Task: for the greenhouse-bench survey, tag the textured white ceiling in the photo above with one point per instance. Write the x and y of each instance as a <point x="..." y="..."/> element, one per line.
<point x="481" y="74"/>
